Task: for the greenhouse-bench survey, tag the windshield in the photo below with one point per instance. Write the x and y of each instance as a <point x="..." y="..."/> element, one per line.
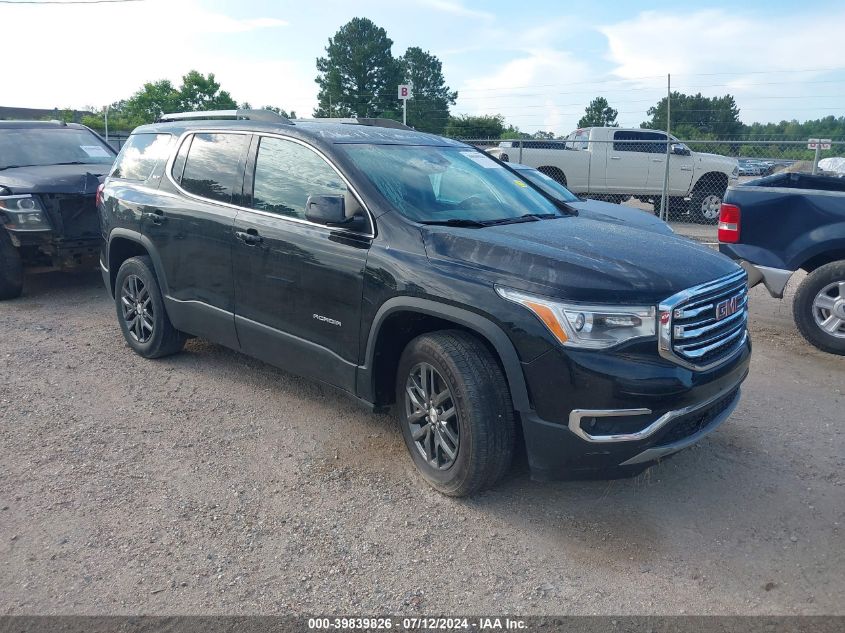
<point x="51" y="146"/>
<point x="548" y="185"/>
<point x="447" y="184"/>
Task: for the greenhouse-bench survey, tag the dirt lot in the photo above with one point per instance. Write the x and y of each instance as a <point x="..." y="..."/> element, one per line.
<point x="211" y="483"/>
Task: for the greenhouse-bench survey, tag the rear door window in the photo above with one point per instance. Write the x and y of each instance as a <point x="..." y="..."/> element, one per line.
<point x="212" y="165"/>
<point x="139" y="156"/>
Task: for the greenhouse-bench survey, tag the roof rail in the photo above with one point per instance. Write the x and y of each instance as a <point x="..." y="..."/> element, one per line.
<point x="355" y="120"/>
<point x="252" y="115"/>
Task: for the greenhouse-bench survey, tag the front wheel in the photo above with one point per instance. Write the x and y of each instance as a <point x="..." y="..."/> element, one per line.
<point x="140" y="311"/>
<point x="819" y="308"/>
<point x="455" y="411"/>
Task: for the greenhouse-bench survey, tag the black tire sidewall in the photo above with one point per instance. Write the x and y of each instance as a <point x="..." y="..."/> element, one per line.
<point x="141" y="268"/>
<point x="11" y="268"/>
<point x="451" y="479"/>
<point x="696" y="201"/>
<point x="802" y="307"/>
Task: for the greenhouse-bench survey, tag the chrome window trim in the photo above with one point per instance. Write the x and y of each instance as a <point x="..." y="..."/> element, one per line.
<point x="664" y="330"/>
<point x="577" y="415"/>
<point x="331" y="229"/>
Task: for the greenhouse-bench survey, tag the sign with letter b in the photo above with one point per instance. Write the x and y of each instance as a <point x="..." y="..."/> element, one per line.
<point x="404" y="91"/>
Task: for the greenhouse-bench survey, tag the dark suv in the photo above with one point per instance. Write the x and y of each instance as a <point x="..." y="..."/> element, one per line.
<point x="49" y="174"/>
<point x="409" y="269"/>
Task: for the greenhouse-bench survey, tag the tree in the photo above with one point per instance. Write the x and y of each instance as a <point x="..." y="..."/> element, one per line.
<point x="598" y="114"/>
<point x="428" y="109"/>
<point x="698" y="117"/>
<point x="469" y="126"/>
<point x="197" y="92"/>
<point x="284" y="113"/>
<point x="200" y="92"/>
<point x="359" y="75"/>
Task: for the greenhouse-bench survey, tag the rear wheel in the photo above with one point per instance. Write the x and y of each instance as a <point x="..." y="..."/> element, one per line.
<point x="140" y="311"/>
<point x="455" y="412"/>
<point x="819" y="308"/>
<point x="11" y="268"/>
<point x="554" y="173"/>
<point x="706" y="199"/>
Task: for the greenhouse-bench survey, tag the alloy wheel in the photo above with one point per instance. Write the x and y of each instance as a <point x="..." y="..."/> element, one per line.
<point x="829" y="309"/>
<point x="710" y="206"/>
<point x="137" y="308"/>
<point x="431" y="416"/>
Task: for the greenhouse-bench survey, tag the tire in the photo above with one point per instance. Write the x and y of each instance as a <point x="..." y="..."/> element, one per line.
<point x="11" y="268"/>
<point x="820" y="299"/>
<point x="468" y="381"/>
<point x="152" y="336"/>
<point x="706" y="200"/>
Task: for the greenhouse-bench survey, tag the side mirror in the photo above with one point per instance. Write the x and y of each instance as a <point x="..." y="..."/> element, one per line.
<point x="680" y="149"/>
<point x="330" y="210"/>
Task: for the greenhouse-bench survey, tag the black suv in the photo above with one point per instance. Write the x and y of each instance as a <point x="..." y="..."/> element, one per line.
<point x="409" y="269"/>
<point x="49" y="174"/>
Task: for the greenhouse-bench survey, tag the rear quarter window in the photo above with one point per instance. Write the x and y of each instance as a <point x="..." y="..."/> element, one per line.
<point x="140" y="155"/>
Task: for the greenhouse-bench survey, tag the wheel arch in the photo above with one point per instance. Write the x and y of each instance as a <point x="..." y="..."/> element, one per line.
<point x="124" y="244"/>
<point x="556" y="173"/>
<point x="401" y="319"/>
<point x="711" y="181"/>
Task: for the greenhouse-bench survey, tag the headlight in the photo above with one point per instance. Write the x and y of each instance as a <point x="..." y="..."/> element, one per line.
<point x="587" y="326"/>
<point x="24" y="213"/>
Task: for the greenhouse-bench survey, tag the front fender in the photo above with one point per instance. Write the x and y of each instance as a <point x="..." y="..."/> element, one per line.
<point x="471" y="320"/>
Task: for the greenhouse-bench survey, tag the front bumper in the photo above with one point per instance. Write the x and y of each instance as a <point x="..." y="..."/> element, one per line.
<point x="601" y="414"/>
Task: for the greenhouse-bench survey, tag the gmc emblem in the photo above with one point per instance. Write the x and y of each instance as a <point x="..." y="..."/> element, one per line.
<point x="726" y="308"/>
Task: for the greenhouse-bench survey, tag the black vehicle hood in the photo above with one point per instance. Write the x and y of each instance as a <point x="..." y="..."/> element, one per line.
<point x="580" y="259"/>
<point x="81" y="179"/>
<point x="616" y="213"/>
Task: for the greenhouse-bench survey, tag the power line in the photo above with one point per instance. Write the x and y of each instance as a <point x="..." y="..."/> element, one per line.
<point x="66" y="1"/>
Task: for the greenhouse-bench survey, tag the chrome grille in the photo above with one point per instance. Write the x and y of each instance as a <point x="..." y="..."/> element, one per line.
<point x="705" y="325"/>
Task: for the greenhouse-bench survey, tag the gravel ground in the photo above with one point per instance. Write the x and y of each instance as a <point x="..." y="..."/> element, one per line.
<point x="211" y="483"/>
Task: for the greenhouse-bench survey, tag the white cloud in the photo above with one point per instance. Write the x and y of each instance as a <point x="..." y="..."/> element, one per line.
<point x="98" y="54"/>
<point x="717" y="41"/>
<point x="526" y="90"/>
<point x="456" y="8"/>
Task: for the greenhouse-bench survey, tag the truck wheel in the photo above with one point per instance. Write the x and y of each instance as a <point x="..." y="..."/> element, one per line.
<point x="140" y="311"/>
<point x="819" y="308"/>
<point x="455" y="411"/>
<point x="11" y="268"/>
<point x="706" y="200"/>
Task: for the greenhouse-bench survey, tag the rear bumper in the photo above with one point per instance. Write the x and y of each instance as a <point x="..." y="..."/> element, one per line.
<point x="775" y="279"/>
<point x="621" y="421"/>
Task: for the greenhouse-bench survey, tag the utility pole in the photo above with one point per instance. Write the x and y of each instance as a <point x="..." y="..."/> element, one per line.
<point x="664" y="199"/>
<point x="106" y="118"/>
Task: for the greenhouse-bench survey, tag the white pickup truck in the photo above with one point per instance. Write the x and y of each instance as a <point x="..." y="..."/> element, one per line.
<point x="617" y="163"/>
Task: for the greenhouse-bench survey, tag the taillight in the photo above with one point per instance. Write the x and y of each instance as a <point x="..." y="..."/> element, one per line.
<point x="729" y="223"/>
<point x="99" y="197"/>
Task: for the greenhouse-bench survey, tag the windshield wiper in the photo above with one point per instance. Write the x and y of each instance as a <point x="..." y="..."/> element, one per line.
<point x="73" y="162"/>
<point x="455" y="222"/>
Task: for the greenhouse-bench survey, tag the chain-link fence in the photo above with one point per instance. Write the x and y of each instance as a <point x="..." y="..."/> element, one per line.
<point x="637" y="167"/>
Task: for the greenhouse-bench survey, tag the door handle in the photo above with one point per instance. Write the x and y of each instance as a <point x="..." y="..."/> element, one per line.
<point x="656" y="160"/>
<point x="156" y="216"/>
<point x="615" y="158"/>
<point x="249" y="237"/>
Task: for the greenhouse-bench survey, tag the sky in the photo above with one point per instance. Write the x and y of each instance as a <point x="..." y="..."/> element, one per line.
<point x="537" y="63"/>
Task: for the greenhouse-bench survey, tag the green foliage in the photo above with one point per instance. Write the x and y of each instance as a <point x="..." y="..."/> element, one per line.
<point x="470" y="127"/>
<point x="359" y="75"/>
<point x="598" y="114"/>
<point x="284" y="113"/>
<point x="428" y="110"/>
<point x="696" y="116"/>
<point x="197" y="92"/>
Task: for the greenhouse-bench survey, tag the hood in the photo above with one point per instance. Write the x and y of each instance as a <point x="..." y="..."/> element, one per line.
<point x="81" y="179"/>
<point x="617" y="214"/>
<point x="580" y="259"/>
